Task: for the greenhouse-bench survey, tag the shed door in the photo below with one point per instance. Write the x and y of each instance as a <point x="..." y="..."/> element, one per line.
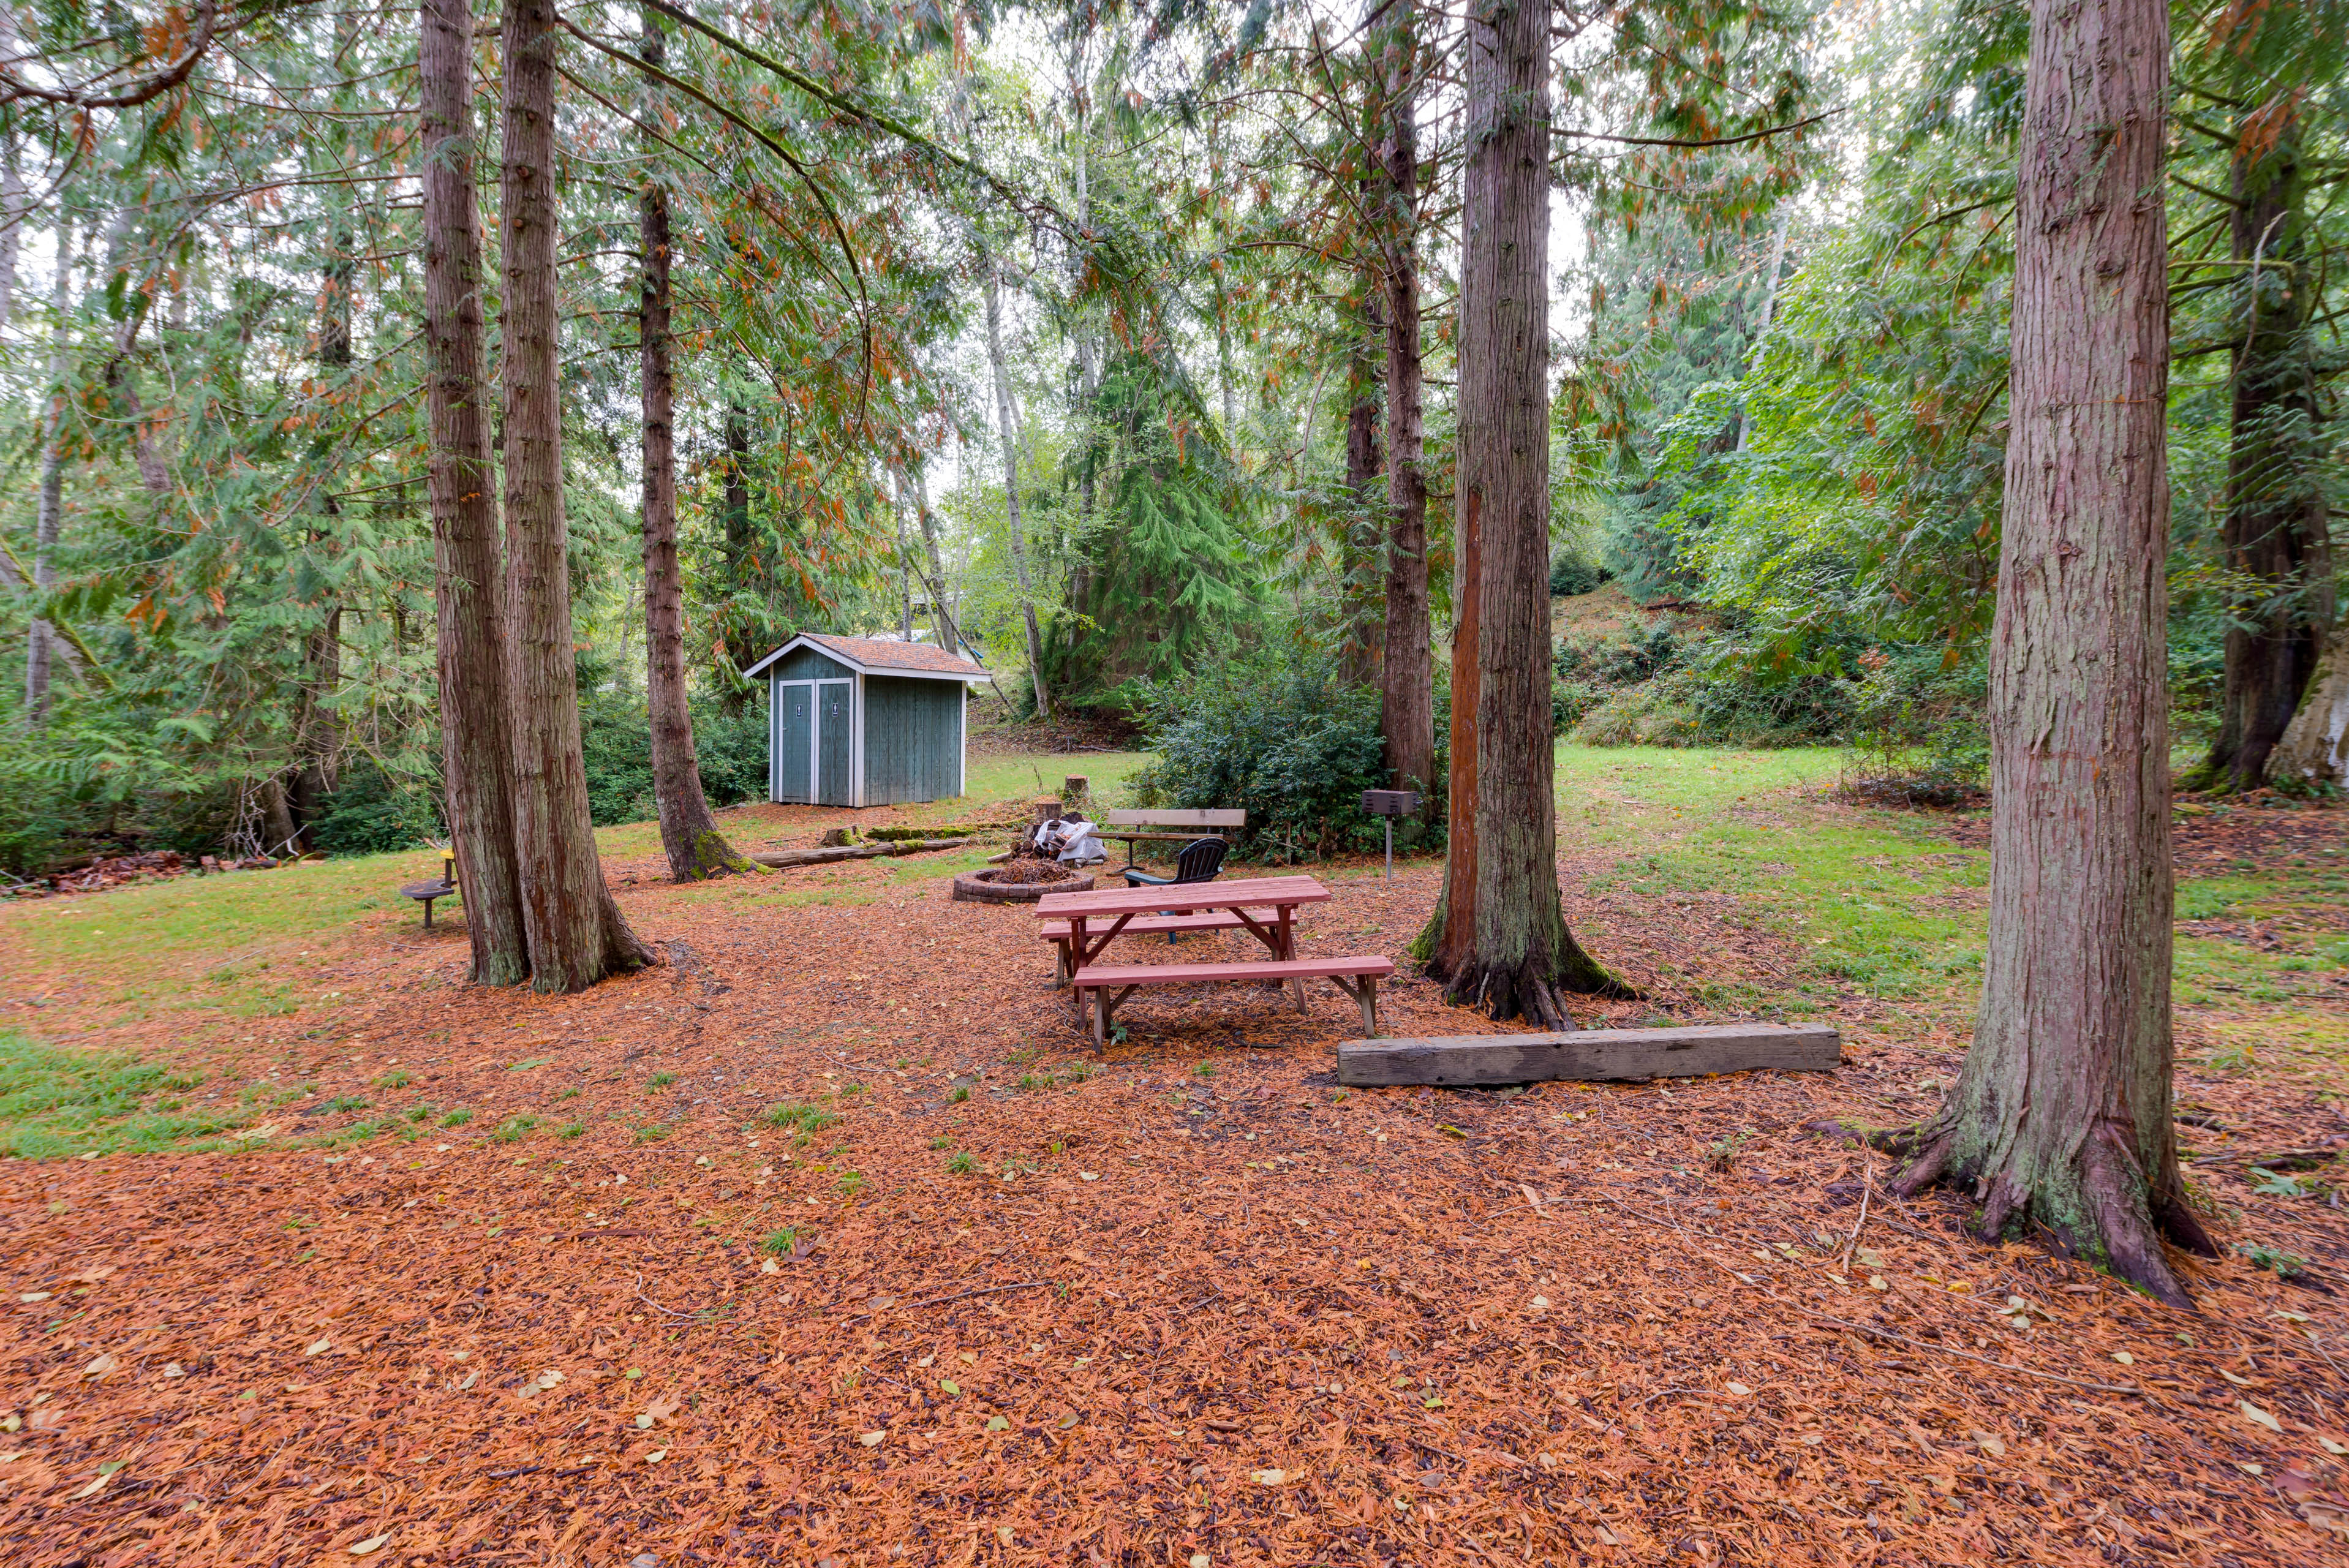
<point x="794" y="732"/>
<point x="835" y="713"/>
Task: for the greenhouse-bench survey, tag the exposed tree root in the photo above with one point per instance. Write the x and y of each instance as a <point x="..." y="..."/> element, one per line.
<point x="2118" y="1222"/>
<point x="1528" y="991"/>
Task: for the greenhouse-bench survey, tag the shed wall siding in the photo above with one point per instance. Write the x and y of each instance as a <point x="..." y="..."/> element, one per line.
<point x="807" y="664"/>
<point x="912" y="741"/>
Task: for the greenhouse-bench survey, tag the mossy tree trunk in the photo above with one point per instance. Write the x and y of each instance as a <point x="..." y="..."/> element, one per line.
<point x="575" y="932"/>
<point x="2061" y="1116"/>
<point x="1499" y="940"/>
<point x="2315" y="749"/>
<point x="460" y="486"/>
<point x="696" y="850"/>
<point x="2275" y="532"/>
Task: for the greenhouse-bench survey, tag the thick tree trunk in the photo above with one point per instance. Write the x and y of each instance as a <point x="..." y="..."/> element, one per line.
<point x="1008" y="418"/>
<point x="2062" y="1114"/>
<point x="689" y="834"/>
<point x="1361" y="574"/>
<point x="576" y="935"/>
<point x="2315" y="749"/>
<point x="1499" y="941"/>
<point x="2275" y="532"/>
<point x="279" y="831"/>
<point x="1407" y="671"/>
<point x="476" y="750"/>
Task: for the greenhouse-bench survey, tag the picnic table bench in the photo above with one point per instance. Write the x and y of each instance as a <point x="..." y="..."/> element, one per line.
<point x="1141" y="826"/>
<point x="1111" y="983"/>
<point x="1057" y="931"/>
<point x="1265" y="907"/>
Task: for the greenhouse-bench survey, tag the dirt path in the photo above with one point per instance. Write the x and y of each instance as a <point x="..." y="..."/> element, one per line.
<point x="1016" y="1304"/>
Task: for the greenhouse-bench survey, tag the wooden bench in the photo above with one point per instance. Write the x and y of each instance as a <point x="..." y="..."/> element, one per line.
<point x="1141" y="825"/>
<point x="1056" y="932"/>
<point x="1357" y="977"/>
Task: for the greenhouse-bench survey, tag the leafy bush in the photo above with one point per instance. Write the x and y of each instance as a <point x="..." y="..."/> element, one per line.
<point x="615" y="738"/>
<point x="1572" y="701"/>
<point x="1292" y="748"/>
<point x="1572" y="570"/>
<point x="1660" y="687"/>
<point x="371" y="811"/>
<point x="1917" y="726"/>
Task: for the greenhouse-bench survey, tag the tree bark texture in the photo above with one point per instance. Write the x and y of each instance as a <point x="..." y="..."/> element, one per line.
<point x="1407" y="670"/>
<point x="1360" y="576"/>
<point x="2315" y="749"/>
<point x="2274" y="532"/>
<point x="476" y="754"/>
<point x="49" y="510"/>
<point x="689" y="834"/>
<point x="1501" y="941"/>
<point x="1008" y="418"/>
<point x="576" y="933"/>
<point x="2061" y="1113"/>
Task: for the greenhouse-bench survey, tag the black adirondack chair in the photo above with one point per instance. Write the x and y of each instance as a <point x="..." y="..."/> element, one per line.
<point x="1200" y="861"/>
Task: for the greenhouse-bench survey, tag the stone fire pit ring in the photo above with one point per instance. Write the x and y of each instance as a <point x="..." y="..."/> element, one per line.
<point x="980" y="887"/>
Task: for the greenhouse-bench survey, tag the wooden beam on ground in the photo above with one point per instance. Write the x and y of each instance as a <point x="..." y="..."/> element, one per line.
<point x="780" y="858"/>
<point x="1598" y="1056"/>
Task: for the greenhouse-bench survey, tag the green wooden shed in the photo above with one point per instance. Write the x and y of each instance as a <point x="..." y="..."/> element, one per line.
<point x="864" y="721"/>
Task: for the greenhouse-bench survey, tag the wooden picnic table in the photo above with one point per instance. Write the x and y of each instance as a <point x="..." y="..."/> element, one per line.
<point x="1266" y="907"/>
<point x="1097" y="916"/>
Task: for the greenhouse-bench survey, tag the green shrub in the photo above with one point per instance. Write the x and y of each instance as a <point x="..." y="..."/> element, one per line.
<point x="1917" y="726"/>
<point x="1573" y="569"/>
<point x="1660" y="686"/>
<point x="372" y="811"/>
<point x="617" y="746"/>
<point x="1291" y="747"/>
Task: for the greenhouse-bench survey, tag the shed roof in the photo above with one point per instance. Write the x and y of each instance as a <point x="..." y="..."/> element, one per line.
<point x="874" y="655"/>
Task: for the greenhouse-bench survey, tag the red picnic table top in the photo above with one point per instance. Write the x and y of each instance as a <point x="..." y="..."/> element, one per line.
<point x="1107" y="904"/>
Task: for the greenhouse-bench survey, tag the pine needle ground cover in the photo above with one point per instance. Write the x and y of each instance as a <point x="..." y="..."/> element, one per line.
<point x="829" y="1240"/>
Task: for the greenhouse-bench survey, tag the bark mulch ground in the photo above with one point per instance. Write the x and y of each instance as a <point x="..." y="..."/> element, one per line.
<point x="888" y="1268"/>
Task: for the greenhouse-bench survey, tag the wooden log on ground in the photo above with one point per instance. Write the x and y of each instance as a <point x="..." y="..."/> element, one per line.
<point x="782" y="857"/>
<point x="1596" y="1056"/>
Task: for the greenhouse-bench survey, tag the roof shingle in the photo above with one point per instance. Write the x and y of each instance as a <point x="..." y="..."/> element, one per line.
<point x="875" y="654"/>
